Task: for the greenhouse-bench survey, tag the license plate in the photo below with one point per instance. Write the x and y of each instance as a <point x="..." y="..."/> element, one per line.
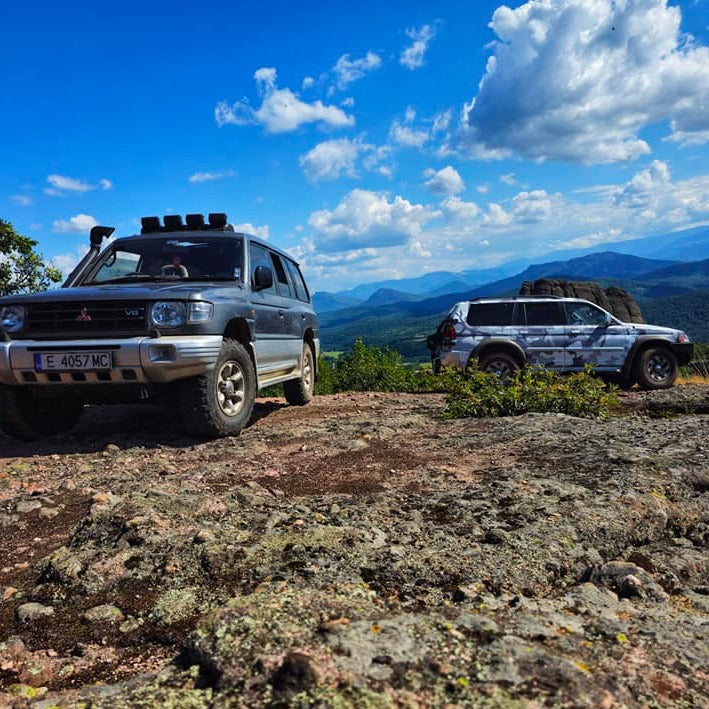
<point x="72" y="361"/>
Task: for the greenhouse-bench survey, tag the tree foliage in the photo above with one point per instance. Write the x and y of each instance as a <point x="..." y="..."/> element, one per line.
<point x="22" y="269"/>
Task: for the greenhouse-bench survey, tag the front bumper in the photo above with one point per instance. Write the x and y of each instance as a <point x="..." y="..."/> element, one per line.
<point x="148" y="360"/>
<point x="684" y="351"/>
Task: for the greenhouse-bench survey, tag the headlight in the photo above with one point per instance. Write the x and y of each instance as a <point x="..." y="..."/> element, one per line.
<point x="12" y="318"/>
<point x="168" y="313"/>
<point x="200" y="312"/>
<point x="682" y="337"/>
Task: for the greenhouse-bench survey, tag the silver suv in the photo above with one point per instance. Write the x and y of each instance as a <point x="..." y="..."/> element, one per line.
<point x="564" y="334"/>
<point x="192" y="314"/>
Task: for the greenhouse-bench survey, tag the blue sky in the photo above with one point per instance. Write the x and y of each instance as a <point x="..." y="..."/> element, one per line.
<point x="372" y="140"/>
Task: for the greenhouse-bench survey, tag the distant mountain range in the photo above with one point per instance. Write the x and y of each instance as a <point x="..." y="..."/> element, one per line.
<point x="671" y="292"/>
<point x="662" y="250"/>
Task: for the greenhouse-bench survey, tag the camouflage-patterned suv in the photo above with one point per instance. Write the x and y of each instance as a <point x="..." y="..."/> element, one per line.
<point x="563" y="334"/>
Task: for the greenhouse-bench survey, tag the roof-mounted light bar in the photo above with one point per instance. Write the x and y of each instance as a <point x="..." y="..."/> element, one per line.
<point x="194" y="222"/>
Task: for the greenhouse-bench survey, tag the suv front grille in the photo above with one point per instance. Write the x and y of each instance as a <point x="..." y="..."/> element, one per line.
<point x="87" y="319"/>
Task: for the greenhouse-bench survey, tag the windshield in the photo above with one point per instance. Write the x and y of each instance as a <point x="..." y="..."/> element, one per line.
<point x="191" y="258"/>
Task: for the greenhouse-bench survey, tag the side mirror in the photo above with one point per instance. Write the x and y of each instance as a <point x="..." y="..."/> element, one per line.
<point x="608" y="321"/>
<point x="263" y="278"/>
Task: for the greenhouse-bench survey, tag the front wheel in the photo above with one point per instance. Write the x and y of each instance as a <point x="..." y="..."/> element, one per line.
<point x="220" y="402"/>
<point x="300" y="391"/>
<point x="656" y="368"/>
<point x="500" y="363"/>
<point x="27" y="417"/>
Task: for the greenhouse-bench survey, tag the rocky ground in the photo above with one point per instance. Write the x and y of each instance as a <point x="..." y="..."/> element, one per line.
<point x="363" y="552"/>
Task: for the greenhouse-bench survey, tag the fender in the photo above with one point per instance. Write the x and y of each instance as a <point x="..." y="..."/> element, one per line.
<point x="500" y="343"/>
<point x="682" y="350"/>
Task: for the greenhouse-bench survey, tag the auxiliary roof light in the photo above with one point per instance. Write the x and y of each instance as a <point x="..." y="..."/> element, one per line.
<point x="173" y="222"/>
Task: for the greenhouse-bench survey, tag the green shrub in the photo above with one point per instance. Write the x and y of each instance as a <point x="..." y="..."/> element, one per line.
<point x="477" y="394"/>
<point x="371" y="368"/>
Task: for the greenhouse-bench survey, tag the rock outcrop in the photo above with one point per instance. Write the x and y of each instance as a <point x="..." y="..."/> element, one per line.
<point x="615" y="300"/>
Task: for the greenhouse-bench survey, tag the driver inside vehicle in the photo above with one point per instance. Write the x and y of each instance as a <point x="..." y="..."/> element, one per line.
<point x="175" y="268"/>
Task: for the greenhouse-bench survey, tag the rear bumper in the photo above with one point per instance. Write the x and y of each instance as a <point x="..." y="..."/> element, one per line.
<point x="136" y="359"/>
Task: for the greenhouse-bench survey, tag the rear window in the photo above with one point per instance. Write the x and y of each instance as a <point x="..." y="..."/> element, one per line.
<point x="490" y="314"/>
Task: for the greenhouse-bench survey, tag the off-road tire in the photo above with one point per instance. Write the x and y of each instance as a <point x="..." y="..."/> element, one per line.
<point x="656" y="368"/>
<point x="299" y="392"/>
<point x="27" y="417"/>
<point x="500" y="363"/>
<point x="220" y="402"/>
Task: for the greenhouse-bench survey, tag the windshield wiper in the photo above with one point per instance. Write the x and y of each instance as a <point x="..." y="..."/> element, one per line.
<point x="130" y="277"/>
<point x="208" y="278"/>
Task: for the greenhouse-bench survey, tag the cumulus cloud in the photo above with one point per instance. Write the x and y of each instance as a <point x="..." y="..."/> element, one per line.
<point x="644" y="186"/>
<point x="413" y="56"/>
<point x="404" y="133"/>
<point x="460" y="211"/>
<point x="210" y="176"/>
<point x="105" y="184"/>
<point x="446" y="181"/>
<point x="348" y="70"/>
<point x="262" y="232"/>
<point x="281" y="110"/>
<point x="79" y="223"/>
<point x="369" y="219"/>
<point x="509" y="179"/>
<point x="331" y="159"/>
<point x="308" y="83"/>
<point x="23" y="200"/>
<point x="577" y="80"/>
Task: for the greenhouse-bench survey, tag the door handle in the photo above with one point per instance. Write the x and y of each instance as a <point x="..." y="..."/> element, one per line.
<point x="281" y="313"/>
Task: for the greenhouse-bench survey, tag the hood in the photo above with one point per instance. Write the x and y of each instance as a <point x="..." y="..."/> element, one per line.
<point x="647" y="329"/>
<point x="132" y="291"/>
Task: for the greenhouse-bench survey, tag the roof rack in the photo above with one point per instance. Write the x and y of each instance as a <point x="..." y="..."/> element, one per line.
<point x="519" y="297"/>
<point x="217" y="221"/>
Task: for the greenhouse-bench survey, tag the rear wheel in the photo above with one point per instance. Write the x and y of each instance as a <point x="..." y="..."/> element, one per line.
<point x="220" y="402"/>
<point x="656" y="368"/>
<point x="500" y="363"/>
<point x="27" y="417"/>
<point x="300" y="391"/>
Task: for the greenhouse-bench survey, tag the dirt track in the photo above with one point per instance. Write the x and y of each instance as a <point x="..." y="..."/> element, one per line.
<point x="360" y="551"/>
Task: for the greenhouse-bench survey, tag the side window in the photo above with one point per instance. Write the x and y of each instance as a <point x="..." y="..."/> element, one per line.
<point x="549" y="313"/>
<point x="280" y="277"/>
<point x="584" y="314"/>
<point x="490" y="314"/>
<point x="260" y="257"/>
<point x="301" y="291"/>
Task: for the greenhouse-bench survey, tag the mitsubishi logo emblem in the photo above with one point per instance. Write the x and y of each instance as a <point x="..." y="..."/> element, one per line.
<point x="83" y="316"/>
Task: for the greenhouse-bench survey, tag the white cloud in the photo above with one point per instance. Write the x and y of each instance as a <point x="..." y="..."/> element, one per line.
<point x="509" y="179"/>
<point x="413" y="56"/>
<point x="78" y="223"/>
<point x="60" y="185"/>
<point x="331" y="159"/>
<point x="281" y="110"/>
<point x="577" y="80"/>
<point x="446" y="181"/>
<point x="459" y="211"/>
<point x="405" y="135"/>
<point x="68" y="184"/>
<point x="210" y="176"/>
<point x="248" y="228"/>
<point x="348" y="102"/>
<point x="482" y="189"/>
<point x="369" y="219"/>
<point x="644" y="187"/>
<point x="348" y="70"/>
<point x="441" y="121"/>
<point x="21" y="199"/>
<point x="308" y="83"/>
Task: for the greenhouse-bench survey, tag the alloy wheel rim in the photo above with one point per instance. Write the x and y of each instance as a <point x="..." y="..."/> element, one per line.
<point x="499" y="367"/>
<point x="230" y="388"/>
<point x="659" y="367"/>
<point x="307" y="374"/>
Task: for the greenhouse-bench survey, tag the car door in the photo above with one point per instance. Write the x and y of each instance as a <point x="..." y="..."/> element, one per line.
<point x="592" y="339"/>
<point x="544" y="334"/>
<point x="289" y="311"/>
<point x="269" y="314"/>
